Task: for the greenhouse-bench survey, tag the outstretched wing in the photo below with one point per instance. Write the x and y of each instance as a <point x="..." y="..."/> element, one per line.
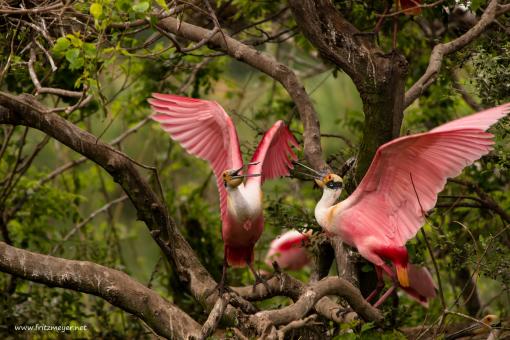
<point x="204" y="129"/>
<point x="274" y="154"/>
<point x="407" y="174"/>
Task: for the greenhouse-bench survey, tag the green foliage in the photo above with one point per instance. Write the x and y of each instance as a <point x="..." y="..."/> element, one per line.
<point x="491" y="79"/>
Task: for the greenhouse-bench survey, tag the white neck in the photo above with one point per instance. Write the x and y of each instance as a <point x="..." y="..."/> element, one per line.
<point x="244" y="201"/>
<point x="328" y="199"/>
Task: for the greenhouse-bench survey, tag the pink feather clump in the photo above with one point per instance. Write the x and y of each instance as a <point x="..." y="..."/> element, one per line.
<point x="289" y="251"/>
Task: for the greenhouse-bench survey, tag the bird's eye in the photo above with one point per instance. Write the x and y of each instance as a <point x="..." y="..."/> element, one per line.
<point x="334" y="185"/>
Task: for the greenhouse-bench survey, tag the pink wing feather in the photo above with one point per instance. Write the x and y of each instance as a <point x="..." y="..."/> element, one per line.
<point x="385" y="204"/>
<point x="274" y="154"/>
<point x="204" y="129"/>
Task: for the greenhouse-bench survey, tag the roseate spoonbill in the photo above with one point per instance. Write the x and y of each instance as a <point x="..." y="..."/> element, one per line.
<point x="288" y="250"/>
<point x="205" y="130"/>
<point x="388" y="207"/>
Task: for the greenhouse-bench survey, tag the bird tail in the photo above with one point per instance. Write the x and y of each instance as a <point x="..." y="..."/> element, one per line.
<point x="239" y="256"/>
<point x="402" y="275"/>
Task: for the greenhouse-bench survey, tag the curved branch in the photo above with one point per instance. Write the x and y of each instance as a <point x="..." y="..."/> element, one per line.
<point x="307" y="297"/>
<point x="112" y="285"/>
<point x="316" y="291"/>
<point x="264" y="63"/>
<point x="441" y="50"/>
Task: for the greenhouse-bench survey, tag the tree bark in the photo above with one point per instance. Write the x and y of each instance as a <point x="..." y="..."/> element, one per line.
<point x="379" y="78"/>
<point x="112" y="285"/>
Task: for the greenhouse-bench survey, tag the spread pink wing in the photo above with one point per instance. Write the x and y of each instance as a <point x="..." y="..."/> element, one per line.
<point x="204" y="129"/>
<point x="385" y="204"/>
<point x="274" y="154"/>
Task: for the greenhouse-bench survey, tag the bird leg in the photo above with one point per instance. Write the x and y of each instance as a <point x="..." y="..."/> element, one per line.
<point x="258" y="278"/>
<point x="385" y="296"/>
<point x="395" y="285"/>
<point x="379" y="286"/>
<point x="221" y="287"/>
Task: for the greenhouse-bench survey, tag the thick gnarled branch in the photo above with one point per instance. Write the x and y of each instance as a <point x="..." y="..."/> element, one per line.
<point x="112" y="285"/>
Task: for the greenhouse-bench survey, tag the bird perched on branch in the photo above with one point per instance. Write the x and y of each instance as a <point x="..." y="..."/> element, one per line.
<point x="288" y="250"/>
<point x="205" y="130"/>
<point x="389" y="205"/>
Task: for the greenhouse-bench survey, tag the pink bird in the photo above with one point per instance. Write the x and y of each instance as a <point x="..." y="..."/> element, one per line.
<point x="401" y="185"/>
<point x="289" y="251"/>
<point x="205" y="130"/>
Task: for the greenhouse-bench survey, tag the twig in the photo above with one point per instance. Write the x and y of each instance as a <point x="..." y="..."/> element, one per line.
<point x="7" y="138"/>
<point x="239" y="334"/>
<point x="334" y="135"/>
<point x="78" y="226"/>
<point x="465" y="95"/>
<point x="431" y="252"/>
<point x="154" y="271"/>
<point x="39" y="89"/>
<point x="392" y="14"/>
<point x="34" y="10"/>
<point x="47" y="54"/>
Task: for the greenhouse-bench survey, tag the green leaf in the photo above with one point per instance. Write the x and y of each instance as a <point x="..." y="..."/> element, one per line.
<point x="75" y="59"/>
<point x="163" y="4"/>
<point x="89" y="50"/>
<point x="141" y="7"/>
<point x="61" y="46"/>
<point x="367" y="326"/>
<point x="96" y="10"/>
<point x="75" y="41"/>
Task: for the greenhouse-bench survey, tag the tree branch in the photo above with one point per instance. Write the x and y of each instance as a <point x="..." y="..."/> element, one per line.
<point x="264" y="63"/>
<point x="24" y="110"/>
<point x="112" y="285"/>
<point x="309" y="297"/>
<point x="285" y="285"/>
<point x="441" y="50"/>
